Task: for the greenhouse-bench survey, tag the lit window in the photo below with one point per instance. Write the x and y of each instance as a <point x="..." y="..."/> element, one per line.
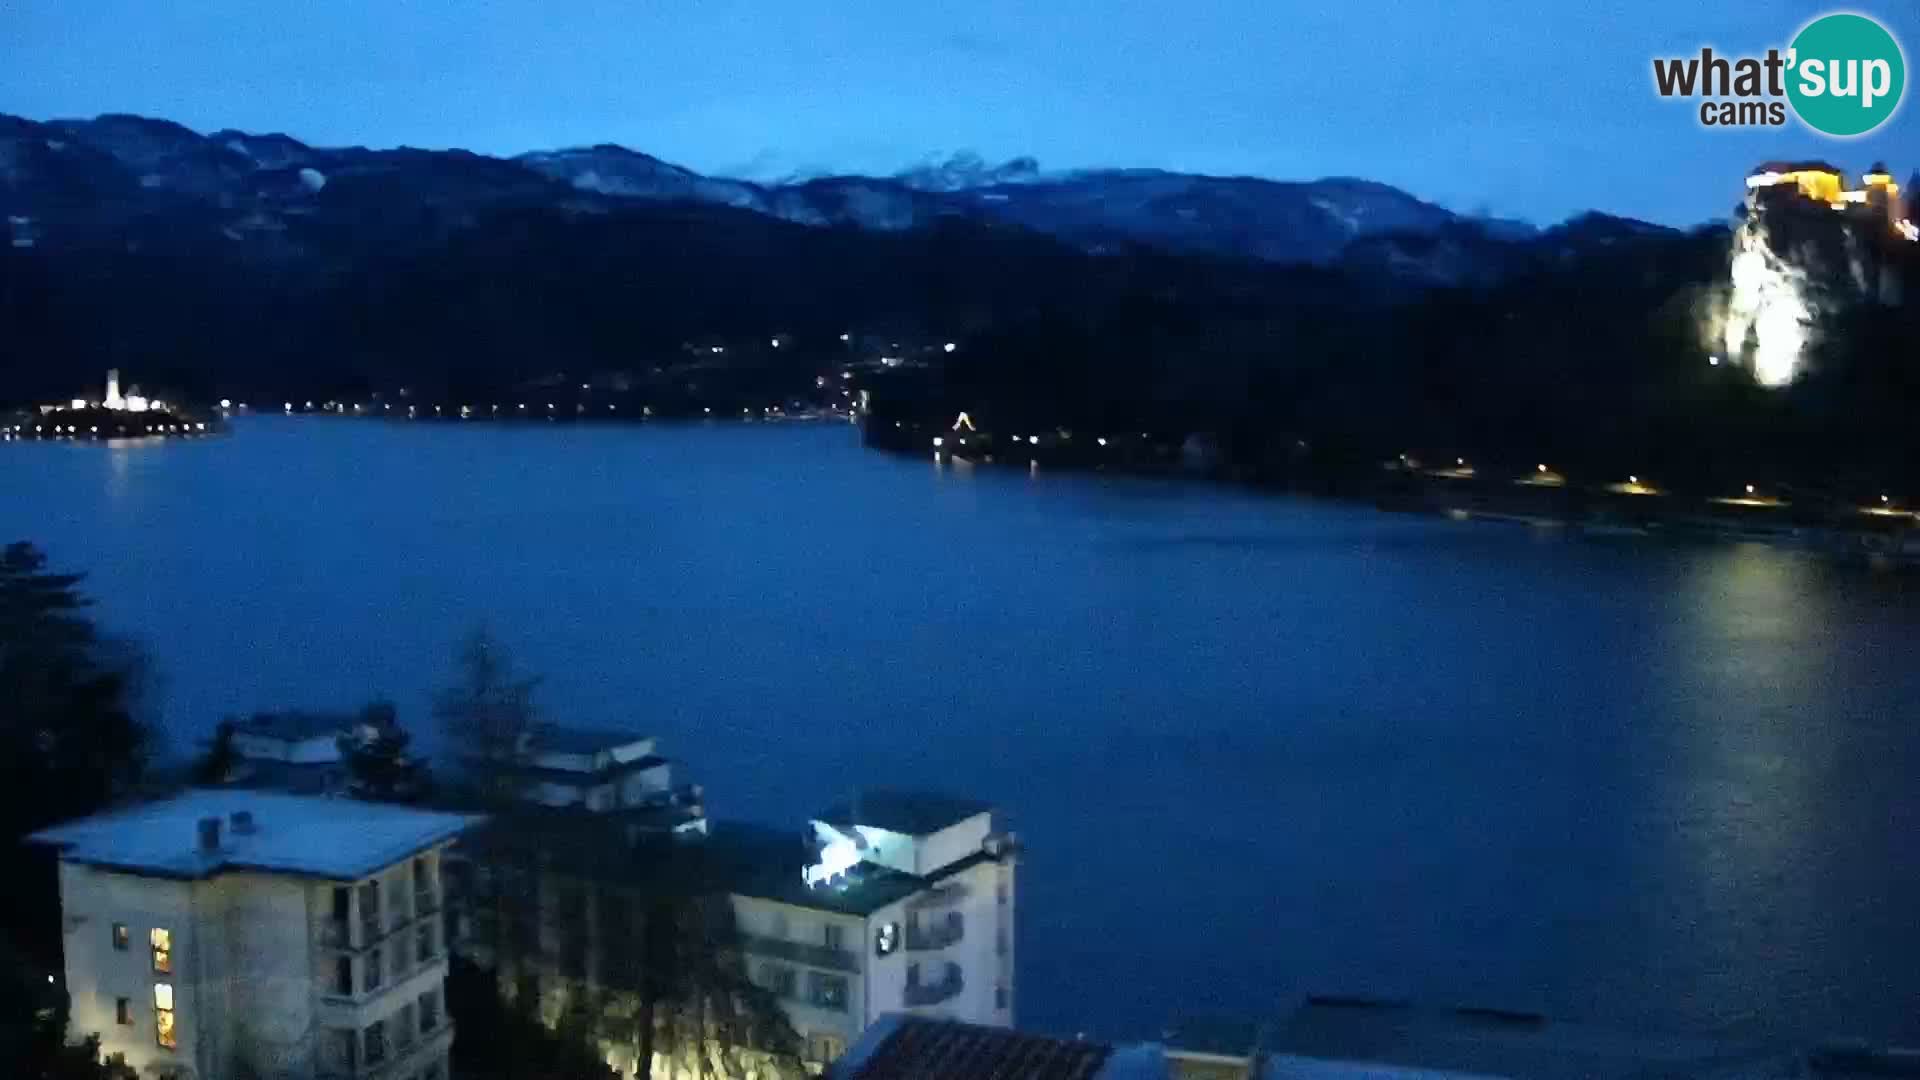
<point x="886" y="939"/>
<point x="120" y="936"/>
<point x="163" y="1015"/>
<point x="161" y="940"/>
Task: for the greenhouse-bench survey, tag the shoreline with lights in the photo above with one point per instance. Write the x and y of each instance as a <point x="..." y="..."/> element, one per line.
<point x="115" y="417"/>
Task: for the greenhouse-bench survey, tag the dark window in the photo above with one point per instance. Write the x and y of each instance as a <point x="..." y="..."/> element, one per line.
<point x="342" y="902"/>
<point x="833" y="935"/>
<point x="1000" y="941"/>
<point x="827" y="991"/>
<point x="374" y="1039"/>
<point x="343" y="976"/>
<point x="779" y="979"/>
<point x="120" y="936"/>
<point x="426" y="941"/>
<point x="429" y="1010"/>
<point x="123" y="1010"/>
<point x="999" y="997"/>
<point x="370" y="975"/>
<point x="370" y="910"/>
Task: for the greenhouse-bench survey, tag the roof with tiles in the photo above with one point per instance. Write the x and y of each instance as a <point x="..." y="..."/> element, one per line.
<point x="915" y="1048"/>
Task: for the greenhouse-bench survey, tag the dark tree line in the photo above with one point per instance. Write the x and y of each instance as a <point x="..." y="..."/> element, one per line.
<point x="72" y="742"/>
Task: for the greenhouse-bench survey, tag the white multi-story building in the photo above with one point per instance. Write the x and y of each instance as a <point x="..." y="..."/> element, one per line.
<point x="605" y="771"/>
<point x="897" y="902"/>
<point x="226" y="933"/>
<point x="294" y="752"/>
<point x="902" y="903"/>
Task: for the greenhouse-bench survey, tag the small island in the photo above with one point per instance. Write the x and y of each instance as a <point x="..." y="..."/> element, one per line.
<point x="114" y="416"/>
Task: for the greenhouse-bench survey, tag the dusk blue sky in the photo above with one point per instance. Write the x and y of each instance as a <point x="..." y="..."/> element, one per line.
<point x="1519" y="108"/>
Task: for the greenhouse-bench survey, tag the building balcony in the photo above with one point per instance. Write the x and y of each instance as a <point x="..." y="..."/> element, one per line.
<point x="818" y="956"/>
<point x="933" y="993"/>
<point x="939" y="897"/>
<point x="397" y="1064"/>
<point x="358" y="1009"/>
<point x="937" y="933"/>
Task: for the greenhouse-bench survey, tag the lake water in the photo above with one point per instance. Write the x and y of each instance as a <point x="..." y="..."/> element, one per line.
<point x="1255" y="745"/>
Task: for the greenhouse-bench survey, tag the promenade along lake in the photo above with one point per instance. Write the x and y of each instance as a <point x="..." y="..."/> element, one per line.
<point x="1255" y="745"/>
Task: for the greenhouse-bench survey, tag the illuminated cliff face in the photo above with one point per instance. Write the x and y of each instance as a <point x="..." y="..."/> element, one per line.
<point x="1769" y="305"/>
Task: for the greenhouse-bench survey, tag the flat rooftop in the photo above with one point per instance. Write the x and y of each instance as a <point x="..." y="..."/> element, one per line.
<point x="572" y="740"/>
<point x="335" y="839"/>
<point x="295" y="726"/>
<point x="1338" y="1038"/>
<point x="915" y="813"/>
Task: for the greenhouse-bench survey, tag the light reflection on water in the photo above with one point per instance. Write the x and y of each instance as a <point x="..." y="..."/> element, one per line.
<point x="1255" y="745"/>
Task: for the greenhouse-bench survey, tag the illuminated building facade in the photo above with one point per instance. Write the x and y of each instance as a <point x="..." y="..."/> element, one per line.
<point x="226" y="934"/>
<point x="907" y="906"/>
<point x="1792" y="257"/>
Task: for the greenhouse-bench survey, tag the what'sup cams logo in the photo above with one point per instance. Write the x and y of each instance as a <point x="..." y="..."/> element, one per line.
<point x="1844" y="75"/>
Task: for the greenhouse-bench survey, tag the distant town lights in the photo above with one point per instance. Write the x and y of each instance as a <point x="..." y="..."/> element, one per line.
<point x="226" y="403"/>
<point x="949" y="346"/>
<point x="1749" y="489"/>
<point x="1033" y="440"/>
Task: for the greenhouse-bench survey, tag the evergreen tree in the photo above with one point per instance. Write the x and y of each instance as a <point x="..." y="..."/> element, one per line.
<point x="488" y="715"/>
<point x="216" y="766"/>
<point x="71" y="743"/>
<point x="379" y="768"/>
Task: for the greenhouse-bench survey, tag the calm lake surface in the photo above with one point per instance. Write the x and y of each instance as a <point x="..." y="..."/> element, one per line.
<point x="1256" y="746"/>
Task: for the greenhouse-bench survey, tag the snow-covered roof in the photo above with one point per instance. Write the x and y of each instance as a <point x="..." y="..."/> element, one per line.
<point x="336" y="839"/>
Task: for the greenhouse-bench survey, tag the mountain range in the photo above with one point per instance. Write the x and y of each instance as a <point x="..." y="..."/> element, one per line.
<point x="74" y="182"/>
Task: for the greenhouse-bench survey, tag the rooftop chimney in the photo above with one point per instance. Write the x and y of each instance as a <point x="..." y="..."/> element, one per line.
<point x="242" y="822"/>
<point x="209" y="834"/>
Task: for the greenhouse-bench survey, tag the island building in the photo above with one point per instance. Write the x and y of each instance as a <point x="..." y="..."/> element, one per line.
<point x="222" y="934"/>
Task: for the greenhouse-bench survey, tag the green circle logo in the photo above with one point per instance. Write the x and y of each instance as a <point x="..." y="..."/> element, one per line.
<point x="1847" y="74"/>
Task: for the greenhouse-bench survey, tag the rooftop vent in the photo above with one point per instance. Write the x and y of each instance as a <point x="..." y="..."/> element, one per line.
<point x="210" y="834"/>
<point x="242" y="822"/>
